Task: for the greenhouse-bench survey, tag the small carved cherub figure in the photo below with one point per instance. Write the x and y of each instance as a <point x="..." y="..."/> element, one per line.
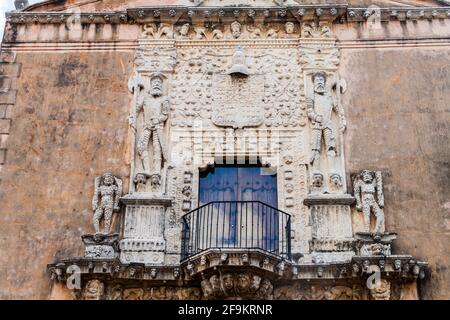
<point x="108" y="190"/>
<point x="289" y="27"/>
<point x="317" y="182"/>
<point x="236" y="29"/>
<point x="94" y="290"/>
<point x="367" y="187"/>
<point x="320" y="108"/>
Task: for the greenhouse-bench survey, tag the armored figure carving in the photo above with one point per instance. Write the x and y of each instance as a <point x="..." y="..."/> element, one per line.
<point x="155" y="107"/>
<point x="320" y="108"/>
<point x="368" y="189"/>
<point x="108" y="190"/>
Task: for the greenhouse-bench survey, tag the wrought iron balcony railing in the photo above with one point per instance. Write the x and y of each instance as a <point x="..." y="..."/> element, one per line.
<point x="236" y="225"/>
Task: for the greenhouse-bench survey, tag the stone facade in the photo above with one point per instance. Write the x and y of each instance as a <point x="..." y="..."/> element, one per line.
<point x="316" y="94"/>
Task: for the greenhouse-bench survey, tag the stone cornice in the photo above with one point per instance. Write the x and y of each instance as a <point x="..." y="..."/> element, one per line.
<point x="174" y="14"/>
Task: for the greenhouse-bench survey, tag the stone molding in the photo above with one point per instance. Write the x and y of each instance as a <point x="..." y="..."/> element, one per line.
<point x="172" y="14"/>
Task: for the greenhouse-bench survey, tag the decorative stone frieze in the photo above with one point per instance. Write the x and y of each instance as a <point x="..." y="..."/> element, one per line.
<point x="101" y="246"/>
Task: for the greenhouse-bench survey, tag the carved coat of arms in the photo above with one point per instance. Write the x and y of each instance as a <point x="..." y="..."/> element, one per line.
<point x="238" y="102"/>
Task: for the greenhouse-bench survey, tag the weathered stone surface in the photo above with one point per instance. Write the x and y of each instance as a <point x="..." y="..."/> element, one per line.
<point x="59" y="143"/>
<point x="403" y="127"/>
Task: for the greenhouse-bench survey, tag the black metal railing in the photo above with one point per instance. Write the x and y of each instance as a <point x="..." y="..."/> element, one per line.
<point x="236" y="225"/>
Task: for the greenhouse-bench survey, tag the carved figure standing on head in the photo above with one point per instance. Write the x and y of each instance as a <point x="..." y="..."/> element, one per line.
<point x="320" y="108"/>
<point x="365" y="187"/>
<point x="155" y="107"/>
<point x="108" y="190"/>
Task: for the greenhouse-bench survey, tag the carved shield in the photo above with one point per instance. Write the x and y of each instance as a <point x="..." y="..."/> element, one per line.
<point x="237" y="101"/>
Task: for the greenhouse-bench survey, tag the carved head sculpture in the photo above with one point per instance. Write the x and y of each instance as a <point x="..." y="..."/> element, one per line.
<point x="265" y="288"/>
<point x="184" y="29"/>
<point x="289" y="27"/>
<point x="367" y="176"/>
<point x="215" y="283"/>
<point x="320" y="80"/>
<point x="236" y="29"/>
<point x="317" y="180"/>
<point x="155" y="180"/>
<point x="397" y="264"/>
<point x="381" y="291"/>
<point x="243" y="282"/>
<point x="94" y="290"/>
<point x="256" y="283"/>
<point x="206" y="288"/>
<point x="228" y="282"/>
<point x="156" y="83"/>
<point x="140" y="179"/>
<point x="176" y="273"/>
<point x="108" y="178"/>
<point x="153" y="273"/>
<point x="336" y="180"/>
<point x="377" y="249"/>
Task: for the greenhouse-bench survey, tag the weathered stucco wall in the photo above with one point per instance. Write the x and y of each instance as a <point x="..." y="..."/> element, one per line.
<point x="69" y="124"/>
<point x="399" y="122"/>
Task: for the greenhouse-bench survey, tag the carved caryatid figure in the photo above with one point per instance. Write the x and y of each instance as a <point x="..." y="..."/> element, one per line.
<point x="368" y="188"/>
<point x="320" y="108"/>
<point x="108" y="190"/>
<point x="155" y="107"/>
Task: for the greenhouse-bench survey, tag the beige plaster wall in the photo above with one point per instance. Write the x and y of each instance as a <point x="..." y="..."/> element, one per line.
<point x="69" y="125"/>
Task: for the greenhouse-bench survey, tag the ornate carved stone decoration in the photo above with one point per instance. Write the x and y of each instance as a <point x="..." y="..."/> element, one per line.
<point x="243" y="285"/>
<point x="320" y="108"/>
<point x="163" y="31"/>
<point x="316" y="30"/>
<point x="108" y="190"/>
<point x="368" y="189"/>
<point x="155" y="108"/>
<point x="94" y="290"/>
<point x="381" y="290"/>
<point x="101" y="245"/>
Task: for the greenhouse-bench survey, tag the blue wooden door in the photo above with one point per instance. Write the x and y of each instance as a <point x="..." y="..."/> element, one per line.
<point x="237" y="191"/>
